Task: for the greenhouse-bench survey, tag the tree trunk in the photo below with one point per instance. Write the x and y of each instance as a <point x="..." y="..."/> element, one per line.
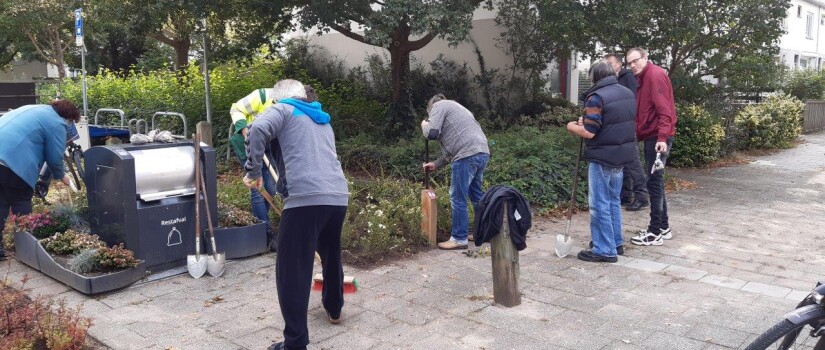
<point x="59" y="60"/>
<point x="401" y="115"/>
<point x="181" y="47"/>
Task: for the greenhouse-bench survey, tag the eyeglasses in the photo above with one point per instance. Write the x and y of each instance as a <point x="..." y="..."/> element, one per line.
<point x="629" y="63"/>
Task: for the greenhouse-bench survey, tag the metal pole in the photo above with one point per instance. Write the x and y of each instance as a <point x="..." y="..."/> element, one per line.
<point x="206" y="74"/>
<point x="83" y="68"/>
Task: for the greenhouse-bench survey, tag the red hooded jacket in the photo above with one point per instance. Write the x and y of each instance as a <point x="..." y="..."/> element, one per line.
<point x="656" y="111"/>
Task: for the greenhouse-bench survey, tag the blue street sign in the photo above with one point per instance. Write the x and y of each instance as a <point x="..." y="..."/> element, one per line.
<point x="78" y="26"/>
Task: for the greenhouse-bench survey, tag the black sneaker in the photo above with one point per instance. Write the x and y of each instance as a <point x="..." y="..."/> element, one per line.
<point x="588" y="255"/>
<point x="637" y="205"/>
<point x="619" y="249"/>
<point x="281" y="346"/>
<point x="625" y="201"/>
<point x="3" y="256"/>
<point x="271" y="239"/>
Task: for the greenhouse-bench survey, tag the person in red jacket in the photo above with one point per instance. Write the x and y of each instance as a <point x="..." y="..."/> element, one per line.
<point x="655" y="126"/>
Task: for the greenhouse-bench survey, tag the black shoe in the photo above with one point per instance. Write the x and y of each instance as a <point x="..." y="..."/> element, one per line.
<point x="281" y="346"/>
<point x="625" y="201"/>
<point x="3" y="256"/>
<point x="619" y="249"/>
<point x="637" y="205"/>
<point x="588" y="255"/>
<point x="271" y="239"/>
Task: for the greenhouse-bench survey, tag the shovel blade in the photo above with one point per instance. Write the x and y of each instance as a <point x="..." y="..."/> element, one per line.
<point x="216" y="264"/>
<point x="195" y="266"/>
<point x="563" y="245"/>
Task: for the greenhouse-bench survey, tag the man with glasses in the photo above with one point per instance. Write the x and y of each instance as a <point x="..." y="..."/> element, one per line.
<point x="634" y="194"/>
<point x="655" y="126"/>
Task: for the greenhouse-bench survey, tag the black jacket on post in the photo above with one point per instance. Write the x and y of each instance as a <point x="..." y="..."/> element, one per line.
<point x="489" y="216"/>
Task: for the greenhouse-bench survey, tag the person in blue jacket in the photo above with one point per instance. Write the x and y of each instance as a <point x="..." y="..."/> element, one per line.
<point x="30" y="136"/>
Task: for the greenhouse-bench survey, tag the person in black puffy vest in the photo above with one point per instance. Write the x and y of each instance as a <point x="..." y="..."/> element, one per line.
<point x="609" y="130"/>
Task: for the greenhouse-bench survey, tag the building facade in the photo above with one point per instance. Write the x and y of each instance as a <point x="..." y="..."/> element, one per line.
<point x="803" y="44"/>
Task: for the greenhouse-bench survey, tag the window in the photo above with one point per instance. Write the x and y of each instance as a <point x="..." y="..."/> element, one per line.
<point x="809" y="28"/>
<point x="803" y="63"/>
<point x="796" y="61"/>
<point x="822" y="20"/>
<point x="799" y="11"/>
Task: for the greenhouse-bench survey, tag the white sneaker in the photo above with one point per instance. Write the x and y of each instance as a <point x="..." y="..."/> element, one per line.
<point x="647" y="238"/>
<point x="666" y="233"/>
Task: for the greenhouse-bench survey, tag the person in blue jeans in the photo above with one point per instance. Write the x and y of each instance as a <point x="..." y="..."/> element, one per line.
<point x="609" y="130"/>
<point x="463" y="144"/>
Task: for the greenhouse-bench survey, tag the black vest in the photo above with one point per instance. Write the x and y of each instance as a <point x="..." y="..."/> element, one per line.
<point x="615" y="143"/>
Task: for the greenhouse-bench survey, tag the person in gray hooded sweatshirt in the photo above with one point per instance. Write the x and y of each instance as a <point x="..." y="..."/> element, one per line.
<point x="315" y="194"/>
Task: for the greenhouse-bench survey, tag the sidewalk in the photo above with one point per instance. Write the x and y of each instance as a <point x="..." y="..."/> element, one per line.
<point x="745" y="251"/>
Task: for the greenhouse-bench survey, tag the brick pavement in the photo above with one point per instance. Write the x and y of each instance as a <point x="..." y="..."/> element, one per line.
<point x="744" y="252"/>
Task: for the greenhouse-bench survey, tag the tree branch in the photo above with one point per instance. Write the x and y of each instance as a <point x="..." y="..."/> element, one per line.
<point x="349" y="34"/>
<point x="418" y="44"/>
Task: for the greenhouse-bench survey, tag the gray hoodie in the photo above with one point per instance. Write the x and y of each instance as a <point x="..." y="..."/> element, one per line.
<point x="304" y="150"/>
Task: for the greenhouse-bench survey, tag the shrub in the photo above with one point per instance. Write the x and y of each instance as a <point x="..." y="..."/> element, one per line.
<point x="537" y="163"/>
<point x="806" y="84"/>
<point x="698" y="138"/>
<point x="39" y="323"/>
<point x="71" y="242"/>
<point x="116" y="258"/>
<point x="774" y="123"/>
<point x="230" y="216"/>
<point x="84" y="262"/>
<point x="384" y="218"/>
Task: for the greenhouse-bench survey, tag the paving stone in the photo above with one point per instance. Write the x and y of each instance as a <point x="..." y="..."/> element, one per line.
<point x="797" y="295"/>
<point x="766" y="289"/>
<point x="718" y="335"/>
<point x="646" y="265"/>
<point x="660" y="340"/>
<point x="684" y="272"/>
<point x="723" y="281"/>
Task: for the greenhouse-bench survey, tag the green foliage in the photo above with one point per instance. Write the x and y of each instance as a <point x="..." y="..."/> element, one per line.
<point x="537" y="163"/>
<point x="384" y="218"/>
<point x="71" y="243"/>
<point x="699" y="137"/>
<point x="806" y="84"/>
<point x="774" y="123"/>
<point x="84" y="262"/>
<point x="115" y="258"/>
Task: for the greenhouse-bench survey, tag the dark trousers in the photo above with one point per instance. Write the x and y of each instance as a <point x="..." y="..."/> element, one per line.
<point x="656" y="187"/>
<point x="15" y="197"/>
<point x="634" y="182"/>
<point x="302" y="232"/>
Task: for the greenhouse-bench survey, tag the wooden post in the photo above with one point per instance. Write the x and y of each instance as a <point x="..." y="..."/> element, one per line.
<point x="205" y="130"/>
<point x="429" y="215"/>
<point x="505" y="266"/>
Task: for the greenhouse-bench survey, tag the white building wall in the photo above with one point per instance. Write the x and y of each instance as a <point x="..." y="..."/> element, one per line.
<point x="803" y="44"/>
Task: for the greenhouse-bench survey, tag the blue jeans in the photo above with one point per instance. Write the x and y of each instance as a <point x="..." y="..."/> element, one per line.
<point x="467" y="176"/>
<point x="260" y="208"/>
<point x="605" y="185"/>
<point x="656" y="186"/>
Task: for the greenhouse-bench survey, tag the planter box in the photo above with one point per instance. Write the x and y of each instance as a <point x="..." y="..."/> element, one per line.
<point x="83" y="284"/>
<point x="239" y="242"/>
<point x="25" y="249"/>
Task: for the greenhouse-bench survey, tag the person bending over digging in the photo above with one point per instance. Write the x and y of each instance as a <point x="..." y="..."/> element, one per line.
<point x="608" y="129"/>
<point x="316" y="196"/>
<point x="465" y="145"/>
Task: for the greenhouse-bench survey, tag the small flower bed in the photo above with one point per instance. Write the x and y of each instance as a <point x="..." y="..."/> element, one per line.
<point x="230" y="216"/>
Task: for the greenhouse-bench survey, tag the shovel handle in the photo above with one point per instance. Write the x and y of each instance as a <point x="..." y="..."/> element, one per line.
<point x="197" y="145"/>
<point x="208" y="212"/>
<point x="575" y="181"/>
<point x="426" y="160"/>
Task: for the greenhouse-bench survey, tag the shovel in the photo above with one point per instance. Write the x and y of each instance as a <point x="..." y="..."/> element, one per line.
<point x="216" y="263"/>
<point x="263" y="191"/>
<point x="194" y="263"/>
<point x="563" y="241"/>
<point x="429" y="205"/>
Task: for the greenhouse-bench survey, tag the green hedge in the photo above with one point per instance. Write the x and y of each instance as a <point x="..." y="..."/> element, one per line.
<point x="539" y="163"/>
<point x="774" y="123"/>
<point x="698" y="138"/>
<point x="142" y="94"/>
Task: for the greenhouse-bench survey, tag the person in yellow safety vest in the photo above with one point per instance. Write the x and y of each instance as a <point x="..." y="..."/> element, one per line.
<point x="243" y="113"/>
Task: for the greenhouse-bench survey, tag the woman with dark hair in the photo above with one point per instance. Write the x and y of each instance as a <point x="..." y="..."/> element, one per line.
<point x="30" y="136"/>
